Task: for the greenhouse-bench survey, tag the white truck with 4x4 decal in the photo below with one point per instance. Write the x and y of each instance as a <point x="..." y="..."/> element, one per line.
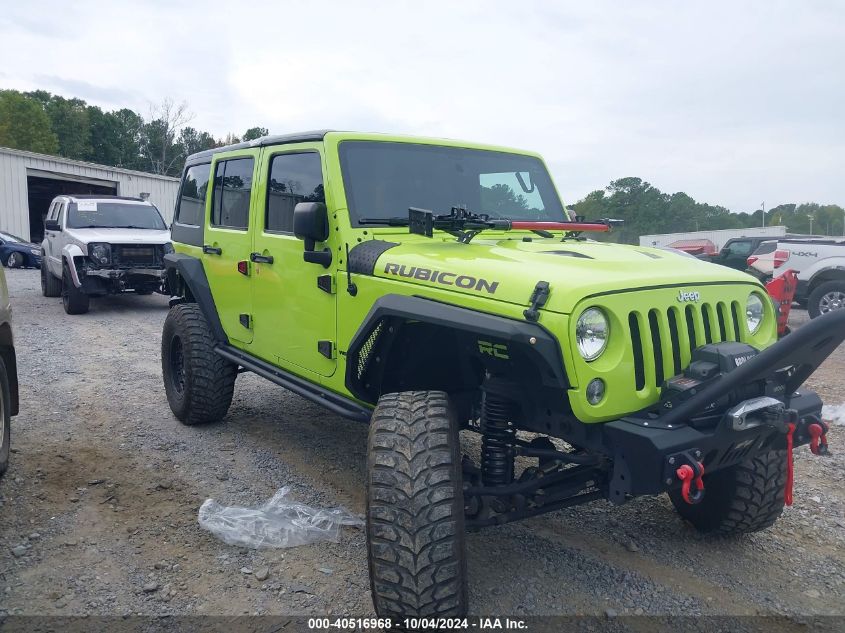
<point x="100" y="245"/>
<point x="820" y="264"/>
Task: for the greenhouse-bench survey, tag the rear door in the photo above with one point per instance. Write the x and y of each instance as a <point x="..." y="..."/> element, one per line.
<point x="294" y="301"/>
<point x="49" y="237"/>
<point x="56" y="239"/>
<point x="227" y="241"/>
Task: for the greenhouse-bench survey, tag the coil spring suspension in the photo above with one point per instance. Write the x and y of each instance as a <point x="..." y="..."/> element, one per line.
<point x="497" y="455"/>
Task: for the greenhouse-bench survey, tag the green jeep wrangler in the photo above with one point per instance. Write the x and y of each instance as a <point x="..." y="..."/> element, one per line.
<point x="427" y="287"/>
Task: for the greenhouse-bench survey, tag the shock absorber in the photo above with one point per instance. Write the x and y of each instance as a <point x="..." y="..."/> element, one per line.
<point x="497" y="454"/>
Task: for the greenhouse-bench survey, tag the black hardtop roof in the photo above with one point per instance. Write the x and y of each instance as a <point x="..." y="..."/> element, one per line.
<point x="273" y="139"/>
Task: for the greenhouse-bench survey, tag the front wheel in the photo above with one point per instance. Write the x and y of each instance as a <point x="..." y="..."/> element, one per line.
<point x="827" y="297"/>
<point x="73" y="299"/>
<point x="748" y="497"/>
<point x="198" y="381"/>
<point x="415" y="509"/>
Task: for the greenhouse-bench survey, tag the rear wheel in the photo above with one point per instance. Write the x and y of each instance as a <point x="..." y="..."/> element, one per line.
<point x="51" y="286"/>
<point x="415" y="509"/>
<point x="74" y="300"/>
<point x="5" y="418"/>
<point x="198" y="381"/>
<point x="827" y="297"/>
<point x="748" y="497"/>
<point x="14" y="260"/>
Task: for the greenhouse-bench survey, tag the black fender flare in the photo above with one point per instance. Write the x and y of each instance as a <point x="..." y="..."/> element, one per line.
<point x="189" y="272"/>
<point x="532" y="340"/>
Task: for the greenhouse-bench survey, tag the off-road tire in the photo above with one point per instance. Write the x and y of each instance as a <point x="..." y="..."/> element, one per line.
<point x="415" y="510"/>
<point x="5" y="417"/>
<point x="14" y="260"/>
<point x="73" y="299"/>
<point x="745" y="498"/>
<point x="51" y="286"/>
<point x="198" y="381"/>
<point x="815" y="299"/>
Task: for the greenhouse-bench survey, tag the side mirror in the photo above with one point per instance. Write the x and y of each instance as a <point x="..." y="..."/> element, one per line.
<point x="311" y="224"/>
<point x="52" y="225"/>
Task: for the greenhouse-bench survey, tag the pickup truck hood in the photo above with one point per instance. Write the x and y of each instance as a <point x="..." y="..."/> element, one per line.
<point x="120" y="236"/>
<point x="508" y="269"/>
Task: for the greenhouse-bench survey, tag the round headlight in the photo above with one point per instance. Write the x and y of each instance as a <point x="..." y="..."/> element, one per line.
<point x="100" y="253"/>
<point x="591" y="332"/>
<point x="753" y="312"/>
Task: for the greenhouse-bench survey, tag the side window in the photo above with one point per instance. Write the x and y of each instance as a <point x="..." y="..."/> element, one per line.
<point x="60" y="216"/>
<point x="294" y="178"/>
<point x="190" y="207"/>
<point x="232" y="186"/>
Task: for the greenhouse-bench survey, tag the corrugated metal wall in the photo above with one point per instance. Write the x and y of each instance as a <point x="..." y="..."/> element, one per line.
<point x="14" y="208"/>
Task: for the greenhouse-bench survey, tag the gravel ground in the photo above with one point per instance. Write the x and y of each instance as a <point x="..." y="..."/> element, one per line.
<point x="99" y="507"/>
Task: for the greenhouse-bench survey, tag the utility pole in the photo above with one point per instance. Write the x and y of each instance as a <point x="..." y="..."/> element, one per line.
<point x="810" y="215"/>
<point x="764" y="214"/>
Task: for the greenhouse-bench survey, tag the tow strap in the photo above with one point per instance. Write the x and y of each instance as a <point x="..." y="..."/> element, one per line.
<point x="787" y="494"/>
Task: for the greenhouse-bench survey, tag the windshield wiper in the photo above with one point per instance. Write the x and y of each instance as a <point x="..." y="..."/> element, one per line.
<point x="465" y="224"/>
<point x="384" y="221"/>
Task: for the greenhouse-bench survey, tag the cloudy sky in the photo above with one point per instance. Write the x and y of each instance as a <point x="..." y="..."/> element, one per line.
<point x="734" y="103"/>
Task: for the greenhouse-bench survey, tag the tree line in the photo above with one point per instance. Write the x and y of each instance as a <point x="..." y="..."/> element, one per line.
<point x="647" y="210"/>
<point x="39" y="121"/>
<point x="159" y="143"/>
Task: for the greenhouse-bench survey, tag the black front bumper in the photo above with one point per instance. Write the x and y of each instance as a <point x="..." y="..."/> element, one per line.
<point x="646" y="457"/>
<point x="647" y="448"/>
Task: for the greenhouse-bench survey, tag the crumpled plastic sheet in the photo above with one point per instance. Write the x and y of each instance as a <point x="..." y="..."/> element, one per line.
<point x="835" y="413"/>
<point x="277" y="523"/>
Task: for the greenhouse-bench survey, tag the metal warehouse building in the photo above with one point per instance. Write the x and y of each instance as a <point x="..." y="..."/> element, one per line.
<point x="30" y="181"/>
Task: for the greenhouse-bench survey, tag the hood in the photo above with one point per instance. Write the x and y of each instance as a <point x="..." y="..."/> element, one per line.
<point x="508" y="269"/>
<point x="121" y="236"/>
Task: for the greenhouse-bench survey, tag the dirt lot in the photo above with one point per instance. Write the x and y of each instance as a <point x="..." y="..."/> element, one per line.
<point x="99" y="507"/>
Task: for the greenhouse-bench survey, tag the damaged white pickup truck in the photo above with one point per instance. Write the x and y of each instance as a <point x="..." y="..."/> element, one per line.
<point x="99" y="245"/>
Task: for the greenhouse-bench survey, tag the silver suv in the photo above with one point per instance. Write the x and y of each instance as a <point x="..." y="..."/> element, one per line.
<point x="100" y="245"/>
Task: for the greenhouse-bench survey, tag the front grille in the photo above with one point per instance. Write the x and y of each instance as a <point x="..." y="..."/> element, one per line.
<point x="663" y="339"/>
<point x="137" y="255"/>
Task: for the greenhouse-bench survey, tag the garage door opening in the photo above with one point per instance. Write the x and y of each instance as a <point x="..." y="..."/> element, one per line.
<point x="42" y="189"/>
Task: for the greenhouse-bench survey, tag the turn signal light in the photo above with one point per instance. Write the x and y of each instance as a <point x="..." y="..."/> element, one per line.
<point x="243" y="267"/>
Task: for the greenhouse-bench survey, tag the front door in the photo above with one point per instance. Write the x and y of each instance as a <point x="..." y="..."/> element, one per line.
<point x="227" y="242"/>
<point x="293" y="300"/>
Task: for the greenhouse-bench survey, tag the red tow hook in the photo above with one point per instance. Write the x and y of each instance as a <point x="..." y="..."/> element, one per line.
<point x="818" y="438"/>
<point x="687" y="475"/>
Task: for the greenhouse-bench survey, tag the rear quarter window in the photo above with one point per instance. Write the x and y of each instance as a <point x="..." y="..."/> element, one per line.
<point x="190" y="207"/>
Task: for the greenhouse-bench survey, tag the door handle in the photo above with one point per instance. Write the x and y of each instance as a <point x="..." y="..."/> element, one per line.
<point x="211" y="250"/>
<point x="258" y="258"/>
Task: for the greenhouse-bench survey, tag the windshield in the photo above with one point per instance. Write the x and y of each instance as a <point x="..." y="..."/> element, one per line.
<point x="88" y="214"/>
<point x="383" y="179"/>
<point x="8" y="237"/>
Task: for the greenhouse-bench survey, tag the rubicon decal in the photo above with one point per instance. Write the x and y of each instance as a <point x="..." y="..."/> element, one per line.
<point x="442" y="277"/>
